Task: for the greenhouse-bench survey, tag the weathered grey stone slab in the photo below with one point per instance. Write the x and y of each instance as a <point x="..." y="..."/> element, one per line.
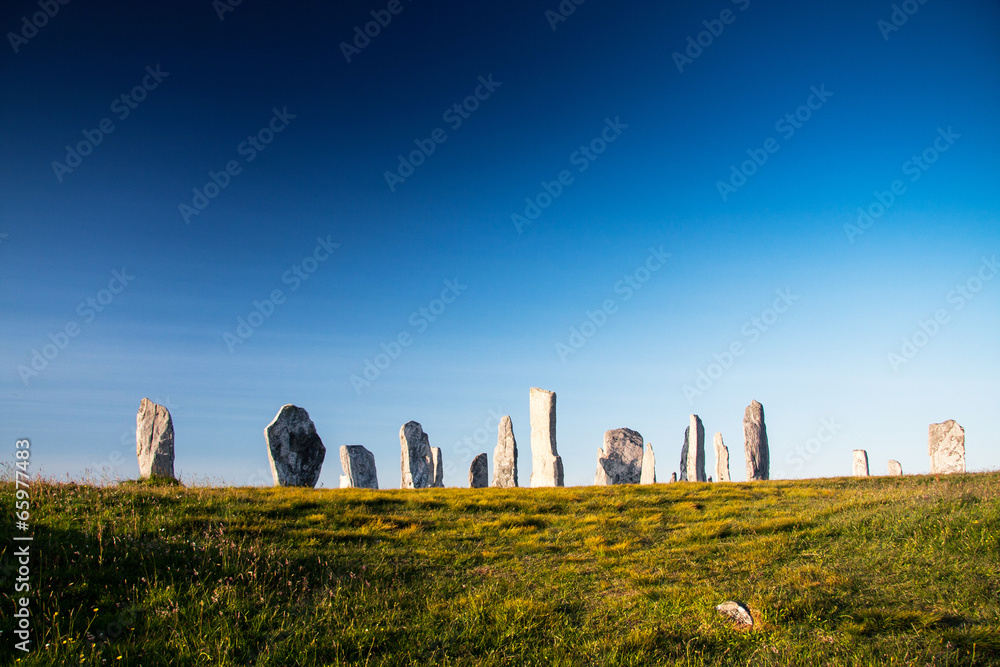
<point x="895" y="468"/>
<point x="755" y="446"/>
<point x="416" y="467"/>
<point x="694" y="436"/>
<point x="546" y="465"/>
<point x="359" y="468"/>
<point x="479" y="472"/>
<point x="736" y="612"/>
<point x="721" y="459"/>
<point x="673" y="477"/>
<point x="648" y="475"/>
<point x="294" y="449"/>
<point x="684" y="455"/>
<point x="154" y="440"/>
<point x="946" y="446"/>
<point x="619" y="461"/>
<point x="860" y="468"/>
<point x="505" y="456"/>
<point x="437" y="463"/>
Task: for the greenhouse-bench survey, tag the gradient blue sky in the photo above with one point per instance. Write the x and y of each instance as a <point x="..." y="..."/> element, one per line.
<point x="826" y="358"/>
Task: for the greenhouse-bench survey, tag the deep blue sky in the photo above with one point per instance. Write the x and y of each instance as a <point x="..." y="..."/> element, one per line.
<point x="854" y="296"/>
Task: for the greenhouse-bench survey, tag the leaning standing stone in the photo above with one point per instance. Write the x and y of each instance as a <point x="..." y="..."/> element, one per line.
<point x="755" y="443"/>
<point x="546" y="465"/>
<point x="721" y="459"/>
<point x="860" y="463"/>
<point x="437" y="462"/>
<point x="648" y="475"/>
<point x="946" y="446"/>
<point x="505" y="456"/>
<point x="154" y="440"/>
<point x="359" y="468"/>
<point x="620" y="460"/>
<point x="294" y="448"/>
<point x="895" y="469"/>
<point x="695" y="435"/>
<point x="415" y="457"/>
<point x="479" y="473"/>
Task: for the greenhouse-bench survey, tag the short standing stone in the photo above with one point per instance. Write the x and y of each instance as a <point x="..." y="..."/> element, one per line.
<point x="546" y="465"/>
<point x="359" y="468"/>
<point x="721" y="459"/>
<point x="673" y="477"/>
<point x="946" y="446"/>
<point x="755" y="443"/>
<point x="695" y="441"/>
<point x="294" y="449"/>
<point x="620" y="460"/>
<point x="648" y="475"/>
<point x="895" y="468"/>
<point x="736" y="612"/>
<point x="479" y="472"/>
<point x="860" y="463"/>
<point x="416" y="469"/>
<point x="154" y="440"/>
<point x="505" y="456"/>
<point x="437" y="462"/>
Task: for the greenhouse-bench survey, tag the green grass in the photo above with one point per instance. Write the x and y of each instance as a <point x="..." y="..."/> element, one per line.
<point x="878" y="571"/>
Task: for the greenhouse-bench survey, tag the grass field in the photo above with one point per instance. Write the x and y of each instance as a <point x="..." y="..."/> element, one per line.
<point x="877" y="571"/>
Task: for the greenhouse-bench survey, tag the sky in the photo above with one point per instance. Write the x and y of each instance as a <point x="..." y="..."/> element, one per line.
<point x="386" y="211"/>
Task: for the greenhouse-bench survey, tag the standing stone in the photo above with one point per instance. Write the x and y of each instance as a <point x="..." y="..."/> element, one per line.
<point x="648" y="475"/>
<point x="693" y="467"/>
<point x="684" y="455"/>
<point x="673" y="477"/>
<point x="415" y="457"/>
<point x="359" y="468"/>
<point x="154" y="440"/>
<point x="721" y="460"/>
<point x="620" y="460"/>
<point x="479" y="473"/>
<point x="860" y="463"/>
<point x="437" y="462"/>
<point x="546" y="464"/>
<point x="294" y="449"/>
<point x="895" y="469"/>
<point x="946" y="446"/>
<point x="505" y="456"/>
<point x="755" y="443"/>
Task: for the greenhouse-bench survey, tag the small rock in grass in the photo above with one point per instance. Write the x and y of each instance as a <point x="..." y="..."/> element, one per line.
<point x="736" y="612"/>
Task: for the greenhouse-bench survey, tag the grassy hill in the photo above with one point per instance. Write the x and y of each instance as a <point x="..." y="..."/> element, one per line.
<point x="878" y="571"/>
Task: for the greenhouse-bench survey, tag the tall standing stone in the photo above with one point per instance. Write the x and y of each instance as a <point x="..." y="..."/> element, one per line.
<point x="620" y="460"/>
<point x="505" y="456"/>
<point x="648" y="475"/>
<point x="694" y="466"/>
<point x="416" y="467"/>
<point x="895" y="469"/>
<point x="546" y="464"/>
<point x="721" y="460"/>
<point x="946" y="446"/>
<point x="755" y="443"/>
<point x="479" y="472"/>
<point x="437" y="462"/>
<point x="154" y="440"/>
<point x="684" y="455"/>
<point x="294" y="449"/>
<point x="860" y="468"/>
<point x="359" y="468"/>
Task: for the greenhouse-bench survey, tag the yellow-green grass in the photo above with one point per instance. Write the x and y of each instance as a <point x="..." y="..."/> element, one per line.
<point x="877" y="571"/>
